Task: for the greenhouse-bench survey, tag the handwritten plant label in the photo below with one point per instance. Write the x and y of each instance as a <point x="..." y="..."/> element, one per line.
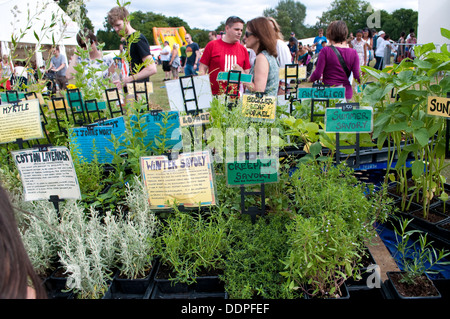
<point x="234" y="76"/>
<point x="323" y="93"/>
<point x="259" y="108"/>
<point x="439" y="106"/>
<point x="337" y="120"/>
<point x="92" y="140"/>
<point x="188" y="180"/>
<point x="253" y="171"/>
<point x="192" y="120"/>
<point x="153" y="124"/>
<point x="140" y="88"/>
<point x="292" y="71"/>
<point x="47" y="172"/>
<point x="20" y="121"/>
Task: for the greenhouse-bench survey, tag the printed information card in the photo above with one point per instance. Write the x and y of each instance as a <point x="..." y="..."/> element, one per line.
<point x="47" y="172"/>
<point x="188" y="180"/>
<point x="20" y="121"/>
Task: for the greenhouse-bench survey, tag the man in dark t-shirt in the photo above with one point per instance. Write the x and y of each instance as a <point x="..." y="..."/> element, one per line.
<point x="192" y="56"/>
<point x="142" y="65"/>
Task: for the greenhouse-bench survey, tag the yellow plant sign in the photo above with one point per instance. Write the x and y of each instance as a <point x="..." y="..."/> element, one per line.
<point x="259" y="108"/>
<point x="438" y="106"/>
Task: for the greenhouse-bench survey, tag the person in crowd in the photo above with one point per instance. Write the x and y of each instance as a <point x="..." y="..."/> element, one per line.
<point x="221" y="55"/>
<point x="18" y="280"/>
<point x="293" y="48"/>
<point x="379" y="52"/>
<point x="182" y="57"/>
<point x="20" y="75"/>
<point x="105" y="64"/>
<point x="318" y="41"/>
<point x="192" y="56"/>
<point x="175" y="61"/>
<point x="261" y="37"/>
<point x="410" y="45"/>
<point x="59" y="66"/>
<point x="165" y="59"/>
<point x="284" y="55"/>
<point x="304" y="58"/>
<point x="329" y="67"/>
<point x="212" y="35"/>
<point x="142" y="66"/>
<point x="368" y="38"/>
<point x="6" y="72"/>
<point x="401" y="47"/>
<point x="360" y="46"/>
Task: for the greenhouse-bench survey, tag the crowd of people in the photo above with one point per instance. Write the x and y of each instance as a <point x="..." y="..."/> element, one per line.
<point x="334" y="58"/>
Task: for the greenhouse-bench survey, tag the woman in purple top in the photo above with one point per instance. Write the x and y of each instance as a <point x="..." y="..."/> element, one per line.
<point x="328" y="66"/>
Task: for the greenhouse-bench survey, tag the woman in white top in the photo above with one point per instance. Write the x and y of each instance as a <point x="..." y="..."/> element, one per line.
<point x="104" y="64"/>
<point x="360" y="46"/>
<point x="284" y="54"/>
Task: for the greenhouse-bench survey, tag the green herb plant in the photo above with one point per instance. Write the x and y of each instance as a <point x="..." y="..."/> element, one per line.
<point x="193" y="243"/>
<point x="417" y="256"/>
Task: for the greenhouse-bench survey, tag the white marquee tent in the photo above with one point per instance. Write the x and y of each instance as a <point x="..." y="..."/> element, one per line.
<point x="30" y="21"/>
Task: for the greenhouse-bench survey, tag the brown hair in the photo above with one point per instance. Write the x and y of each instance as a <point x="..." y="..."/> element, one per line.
<point x="84" y="35"/>
<point x="262" y="28"/>
<point x="232" y="20"/>
<point x="337" y="31"/>
<point x="117" y="13"/>
<point x="276" y="27"/>
<point x="16" y="272"/>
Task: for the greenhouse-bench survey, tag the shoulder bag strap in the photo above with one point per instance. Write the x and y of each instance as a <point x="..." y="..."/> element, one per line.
<point x="341" y="60"/>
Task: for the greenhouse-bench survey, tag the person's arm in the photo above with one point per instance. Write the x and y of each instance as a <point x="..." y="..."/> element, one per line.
<point x="174" y="53"/>
<point x="261" y="71"/>
<point x="203" y="69"/>
<point x="70" y="69"/>
<point x="320" y="66"/>
<point x="197" y="57"/>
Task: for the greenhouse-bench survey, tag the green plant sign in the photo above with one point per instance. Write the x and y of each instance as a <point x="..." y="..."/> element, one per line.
<point x="250" y="172"/>
<point x="245" y="78"/>
<point x="338" y="120"/>
<point x="321" y="93"/>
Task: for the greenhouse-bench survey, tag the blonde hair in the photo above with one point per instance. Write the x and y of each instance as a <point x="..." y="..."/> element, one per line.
<point x="276" y="27"/>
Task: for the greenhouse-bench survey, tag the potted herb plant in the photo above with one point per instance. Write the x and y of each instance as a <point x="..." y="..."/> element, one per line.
<point x="191" y="247"/>
<point x="327" y="236"/>
<point x="134" y="253"/>
<point x="417" y="258"/>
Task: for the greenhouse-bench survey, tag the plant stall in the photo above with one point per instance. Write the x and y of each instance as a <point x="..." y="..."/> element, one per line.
<point x="238" y="207"/>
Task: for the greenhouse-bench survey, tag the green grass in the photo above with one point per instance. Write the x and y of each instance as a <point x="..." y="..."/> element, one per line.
<point x="158" y="98"/>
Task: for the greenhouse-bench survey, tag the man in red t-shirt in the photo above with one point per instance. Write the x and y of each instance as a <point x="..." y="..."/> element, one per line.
<point x="222" y="54"/>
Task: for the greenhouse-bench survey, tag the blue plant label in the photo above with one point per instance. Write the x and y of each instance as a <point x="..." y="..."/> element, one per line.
<point x="153" y="126"/>
<point x="90" y="140"/>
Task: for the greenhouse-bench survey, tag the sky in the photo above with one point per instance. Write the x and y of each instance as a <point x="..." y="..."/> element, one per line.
<point x="208" y="14"/>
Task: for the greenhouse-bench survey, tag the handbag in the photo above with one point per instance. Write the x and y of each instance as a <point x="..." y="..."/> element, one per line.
<point x="341" y="60"/>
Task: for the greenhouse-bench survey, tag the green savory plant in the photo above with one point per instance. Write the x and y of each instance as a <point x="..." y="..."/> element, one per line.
<point x="327" y="236"/>
<point x="417" y="257"/>
<point x="253" y="266"/>
<point x="191" y="243"/>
